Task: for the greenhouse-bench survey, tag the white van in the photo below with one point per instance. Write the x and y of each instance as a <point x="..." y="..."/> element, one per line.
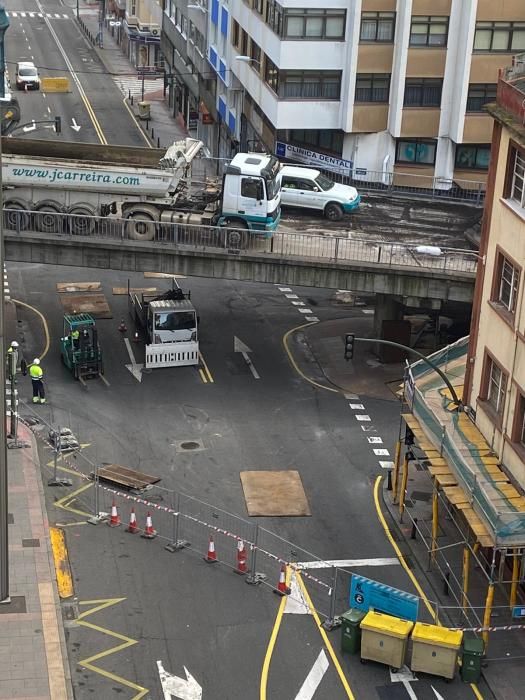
<point x="310" y="189"/>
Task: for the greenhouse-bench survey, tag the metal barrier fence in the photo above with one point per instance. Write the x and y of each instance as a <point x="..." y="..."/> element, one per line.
<point x="340" y="250"/>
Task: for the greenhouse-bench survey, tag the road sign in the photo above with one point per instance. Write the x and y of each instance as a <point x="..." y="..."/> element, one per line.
<point x="366" y="595"/>
<point x="518" y="611"/>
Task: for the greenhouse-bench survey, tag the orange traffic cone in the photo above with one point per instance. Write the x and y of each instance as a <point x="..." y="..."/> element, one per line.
<point x="136" y="338"/>
<point x="132" y="527"/>
<point x="242" y="567"/>
<point x="149" y="533"/>
<point x="122" y="328"/>
<point x="282" y="588"/>
<point x="114" y="520"/>
<point x="211" y="556"/>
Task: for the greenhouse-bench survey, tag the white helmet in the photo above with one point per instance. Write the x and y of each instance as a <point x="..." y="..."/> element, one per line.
<point x="14" y="344"/>
<point x="36" y="361"/>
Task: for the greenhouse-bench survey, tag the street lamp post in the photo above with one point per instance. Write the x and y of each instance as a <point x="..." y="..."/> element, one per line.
<point x="4" y="556"/>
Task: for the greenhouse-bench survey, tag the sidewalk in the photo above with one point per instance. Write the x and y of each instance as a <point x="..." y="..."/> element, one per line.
<point x="162" y="129"/>
<point x="33" y="656"/>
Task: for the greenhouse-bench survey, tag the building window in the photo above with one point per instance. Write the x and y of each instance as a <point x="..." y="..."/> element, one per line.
<point x="416" y="151"/>
<point x="255" y="55"/>
<point x="505" y="284"/>
<point x="473" y="156"/>
<point x="271" y="74"/>
<point x="274" y="16"/>
<point x="500" y="36"/>
<point x="428" y="30"/>
<point x="517" y="176"/>
<point x="372" y="87"/>
<point x="324" y="139"/>
<point x="494" y="386"/>
<point x="378" y="26"/>
<point x="314" y="24"/>
<point x="480" y="94"/>
<point x="423" y="92"/>
<point x="258" y="5"/>
<point x="518" y="431"/>
<point x="309" y="85"/>
<point x="235" y="33"/>
<point x="244" y="43"/>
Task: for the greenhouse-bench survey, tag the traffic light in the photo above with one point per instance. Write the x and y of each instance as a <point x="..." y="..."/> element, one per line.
<point x="58" y="125"/>
<point x="349" y="346"/>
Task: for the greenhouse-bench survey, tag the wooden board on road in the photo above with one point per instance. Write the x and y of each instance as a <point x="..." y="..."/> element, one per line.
<point x="94" y="304"/>
<point x="279" y="493"/>
<point x="164" y="276"/>
<point x="78" y="287"/>
<point x="124" y="476"/>
<point x="134" y="290"/>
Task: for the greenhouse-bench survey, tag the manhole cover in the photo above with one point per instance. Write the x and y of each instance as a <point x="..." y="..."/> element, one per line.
<point x="189" y="445"/>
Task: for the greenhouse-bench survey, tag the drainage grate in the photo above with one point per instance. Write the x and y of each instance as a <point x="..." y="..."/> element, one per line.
<point x="31" y="543"/>
<point x="17" y="604"/>
<point x="189" y="445"/>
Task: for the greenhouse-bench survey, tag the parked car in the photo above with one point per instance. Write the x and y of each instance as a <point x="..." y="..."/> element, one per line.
<point x="27" y="77"/>
<point x="310" y="189"/>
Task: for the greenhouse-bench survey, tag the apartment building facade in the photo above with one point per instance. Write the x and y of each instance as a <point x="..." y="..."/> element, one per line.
<point x="495" y="376"/>
<point x="380" y="85"/>
<point x="140" y="31"/>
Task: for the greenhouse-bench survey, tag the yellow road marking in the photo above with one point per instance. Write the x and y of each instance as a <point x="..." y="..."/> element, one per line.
<point x="271" y="644"/>
<point x="206" y="369"/>
<point x="203" y="376"/>
<point x="60" y="557"/>
<point x="405" y="566"/>
<point x="126" y="642"/>
<point x="64" y="502"/>
<point x="144" y="136"/>
<point x="296" y="366"/>
<point x="44" y="323"/>
<point x="323" y="634"/>
<point x="55" y="661"/>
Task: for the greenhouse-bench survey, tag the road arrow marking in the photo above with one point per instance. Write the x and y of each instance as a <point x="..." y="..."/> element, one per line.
<point x="406" y="677"/>
<point x="438" y="695"/>
<point x="135" y="368"/>
<point x="172" y="685"/>
<point x="314" y="678"/>
<point x="74" y="125"/>
<point x="27" y="129"/>
<point x="239" y="346"/>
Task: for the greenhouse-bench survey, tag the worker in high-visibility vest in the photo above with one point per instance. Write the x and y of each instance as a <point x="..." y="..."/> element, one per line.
<point x="37" y="375"/>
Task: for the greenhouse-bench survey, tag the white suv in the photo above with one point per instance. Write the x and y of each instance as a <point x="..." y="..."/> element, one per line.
<point x="27" y="77"/>
<point x="310" y="189"/>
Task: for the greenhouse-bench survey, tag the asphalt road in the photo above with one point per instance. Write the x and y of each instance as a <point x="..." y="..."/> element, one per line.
<point x="174" y="607"/>
<point x="56" y="45"/>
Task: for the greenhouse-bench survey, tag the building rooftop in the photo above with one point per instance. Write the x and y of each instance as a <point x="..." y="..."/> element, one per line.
<point x="510" y="99"/>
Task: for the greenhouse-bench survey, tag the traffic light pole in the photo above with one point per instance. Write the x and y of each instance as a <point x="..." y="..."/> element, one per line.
<point x="455" y="398"/>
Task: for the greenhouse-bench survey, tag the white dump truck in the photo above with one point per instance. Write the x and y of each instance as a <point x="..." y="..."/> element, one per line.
<point x="169" y="323"/>
<point x="146" y="187"/>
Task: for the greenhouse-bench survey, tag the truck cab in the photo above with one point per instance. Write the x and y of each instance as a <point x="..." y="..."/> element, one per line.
<point x="251" y="195"/>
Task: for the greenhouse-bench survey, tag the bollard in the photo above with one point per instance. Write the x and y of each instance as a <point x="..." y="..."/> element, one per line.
<point x="414" y="529"/>
<point x="129" y="94"/>
<point x="446" y="581"/>
<point x="389" y="480"/>
<point x="132" y="100"/>
<point x="152" y="133"/>
<point x="147" y="124"/>
<point x="158" y="141"/>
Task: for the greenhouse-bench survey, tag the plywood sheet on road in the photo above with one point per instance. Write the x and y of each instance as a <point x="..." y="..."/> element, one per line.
<point x="78" y="287"/>
<point x="94" y="304"/>
<point x="124" y="476"/>
<point x="274" y="494"/>
<point x="134" y="290"/>
<point x="164" y="276"/>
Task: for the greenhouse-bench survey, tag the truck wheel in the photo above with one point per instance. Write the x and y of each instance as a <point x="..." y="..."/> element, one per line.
<point x="48" y="219"/>
<point x="17" y="218"/>
<point x="236" y="235"/>
<point x="81" y="222"/>
<point x="140" y="226"/>
<point x="333" y="211"/>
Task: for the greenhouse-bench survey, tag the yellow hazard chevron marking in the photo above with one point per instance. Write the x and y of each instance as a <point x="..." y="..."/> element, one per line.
<point x="61" y="559"/>
<point x="70" y="497"/>
<point x="126" y="642"/>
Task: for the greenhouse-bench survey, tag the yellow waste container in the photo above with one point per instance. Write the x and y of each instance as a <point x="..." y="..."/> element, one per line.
<point x="384" y="639"/>
<point x="435" y="650"/>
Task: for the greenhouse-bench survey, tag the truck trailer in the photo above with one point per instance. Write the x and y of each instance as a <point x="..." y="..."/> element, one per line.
<point x="147" y="187"/>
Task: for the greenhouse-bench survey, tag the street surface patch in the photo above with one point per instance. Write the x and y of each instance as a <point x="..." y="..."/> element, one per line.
<point x="274" y="494"/>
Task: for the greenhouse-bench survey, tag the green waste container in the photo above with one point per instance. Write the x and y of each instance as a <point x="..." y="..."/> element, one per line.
<point x="472" y="654"/>
<point x="351" y="630"/>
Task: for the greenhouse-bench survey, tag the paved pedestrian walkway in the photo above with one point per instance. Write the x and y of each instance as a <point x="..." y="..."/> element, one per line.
<point x="33" y="656"/>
